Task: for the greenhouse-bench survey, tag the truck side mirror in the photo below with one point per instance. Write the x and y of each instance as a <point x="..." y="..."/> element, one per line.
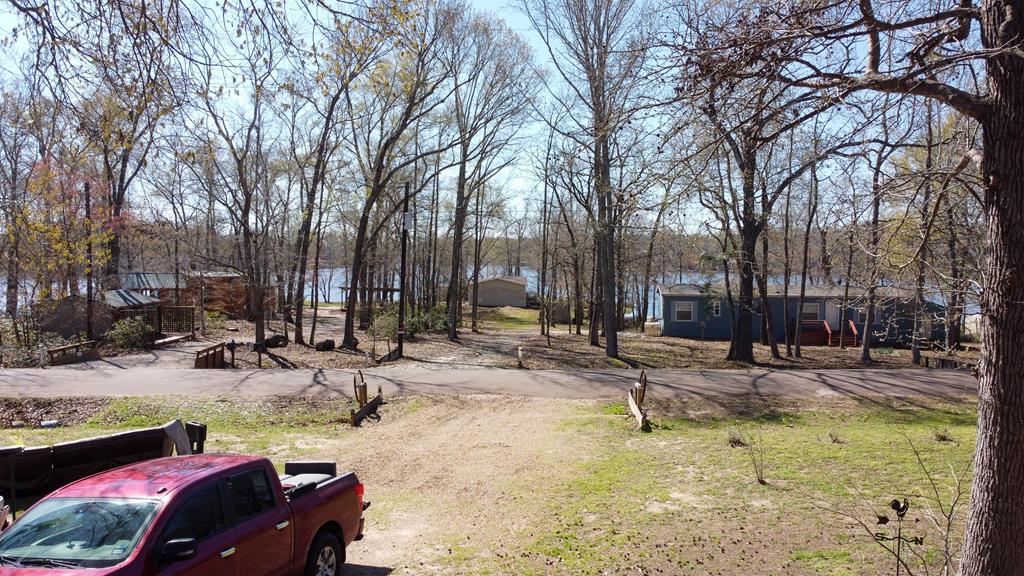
<point x="177" y="550"/>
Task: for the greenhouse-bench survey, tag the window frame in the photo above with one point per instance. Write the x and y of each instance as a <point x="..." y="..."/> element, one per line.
<point x="234" y="519"/>
<point x="225" y="511"/>
<point x="677" y="305"/>
<point x="716" y="308"/>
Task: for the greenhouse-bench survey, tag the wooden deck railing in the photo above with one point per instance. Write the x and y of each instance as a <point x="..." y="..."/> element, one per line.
<point x="212" y="357"/>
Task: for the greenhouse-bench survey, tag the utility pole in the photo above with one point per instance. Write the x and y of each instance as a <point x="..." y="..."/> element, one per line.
<point x="406" y="224"/>
<point x="88" y="262"/>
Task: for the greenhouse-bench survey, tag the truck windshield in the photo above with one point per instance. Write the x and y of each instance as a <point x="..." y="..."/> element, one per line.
<point x="77" y="533"/>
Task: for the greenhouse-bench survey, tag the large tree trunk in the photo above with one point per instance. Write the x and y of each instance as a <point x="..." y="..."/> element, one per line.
<point x="922" y="257"/>
<point x="605" y="237"/>
<point x="13" y="276"/>
<point x="349" y="339"/>
<point x="741" y="348"/>
<point x="956" y="294"/>
<point x="543" y="316"/>
<point x="458" y="233"/>
<point x="477" y="245"/>
<point x="787" y="272"/>
<point x="593" y="334"/>
<point x="876" y="203"/>
<point x="577" y="290"/>
<point x="995" y="528"/>
<point x="767" y="317"/>
<point x="110" y="269"/>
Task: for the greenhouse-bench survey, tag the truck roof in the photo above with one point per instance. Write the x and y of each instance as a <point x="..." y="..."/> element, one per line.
<point x="157" y="478"/>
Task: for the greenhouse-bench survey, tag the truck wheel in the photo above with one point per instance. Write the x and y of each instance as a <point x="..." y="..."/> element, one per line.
<point x="325" y="557"/>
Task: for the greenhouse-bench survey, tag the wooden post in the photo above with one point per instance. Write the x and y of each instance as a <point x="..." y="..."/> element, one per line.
<point x="368" y="407"/>
<point x="635" y="399"/>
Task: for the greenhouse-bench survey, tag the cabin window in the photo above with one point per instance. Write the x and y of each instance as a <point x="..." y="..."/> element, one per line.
<point x="684" y="311"/>
<point x="716" y="308"/>
<point x="809" y="311"/>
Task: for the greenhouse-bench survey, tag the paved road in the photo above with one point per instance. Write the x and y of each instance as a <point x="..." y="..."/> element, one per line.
<point x="73" y="381"/>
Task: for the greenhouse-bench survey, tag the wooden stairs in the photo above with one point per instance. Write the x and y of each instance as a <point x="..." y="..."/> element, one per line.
<point x="820" y="333"/>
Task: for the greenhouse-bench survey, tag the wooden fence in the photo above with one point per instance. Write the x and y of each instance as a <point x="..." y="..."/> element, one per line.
<point x="162" y="319"/>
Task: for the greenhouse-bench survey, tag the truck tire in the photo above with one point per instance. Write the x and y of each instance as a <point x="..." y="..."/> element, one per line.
<point x="325" y="556"/>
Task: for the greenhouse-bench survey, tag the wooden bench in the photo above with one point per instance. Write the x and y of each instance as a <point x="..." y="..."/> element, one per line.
<point x="173" y="340"/>
<point x="944" y="361"/>
<point x="80" y="352"/>
<point x="211" y="357"/>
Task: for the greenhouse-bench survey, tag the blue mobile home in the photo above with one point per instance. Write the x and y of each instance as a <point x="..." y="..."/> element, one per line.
<point x="696" y="311"/>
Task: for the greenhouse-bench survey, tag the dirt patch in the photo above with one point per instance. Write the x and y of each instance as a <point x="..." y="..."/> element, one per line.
<point x="449" y="477"/>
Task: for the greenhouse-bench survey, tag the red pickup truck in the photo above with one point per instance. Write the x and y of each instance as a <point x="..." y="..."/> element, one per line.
<point x="202" y="515"/>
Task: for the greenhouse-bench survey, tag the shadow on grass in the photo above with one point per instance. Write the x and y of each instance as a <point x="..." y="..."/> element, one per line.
<point x="780" y="410"/>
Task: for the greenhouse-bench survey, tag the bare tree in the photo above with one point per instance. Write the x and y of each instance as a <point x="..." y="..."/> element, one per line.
<point x="931" y="52"/>
<point x="597" y="51"/>
<point x="490" y="68"/>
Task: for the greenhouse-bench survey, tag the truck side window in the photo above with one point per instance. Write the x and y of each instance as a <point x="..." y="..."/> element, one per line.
<point x="250" y="494"/>
<point x="199" y="517"/>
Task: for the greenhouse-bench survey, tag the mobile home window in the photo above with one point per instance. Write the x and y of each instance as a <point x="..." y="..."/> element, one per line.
<point x="862" y="315"/>
<point x="809" y="311"/>
<point x="684" y="311"/>
<point x="716" y="308"/>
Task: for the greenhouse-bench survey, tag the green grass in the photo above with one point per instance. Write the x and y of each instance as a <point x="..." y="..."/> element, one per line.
<point x="506" y="317"/>
<point x="831" y="562"/>
<point x="643" y="494"/>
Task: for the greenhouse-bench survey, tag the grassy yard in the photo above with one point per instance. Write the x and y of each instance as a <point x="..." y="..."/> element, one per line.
<point x="505" y="317"/>
<point x="502" y="485"/>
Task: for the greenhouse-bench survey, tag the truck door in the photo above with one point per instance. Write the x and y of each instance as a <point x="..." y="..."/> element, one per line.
<point x="262" y="523"/>
<point x="200" y="515"/>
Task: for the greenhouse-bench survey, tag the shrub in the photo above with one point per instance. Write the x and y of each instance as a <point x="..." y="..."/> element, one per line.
<point x="216" y="320"/>
<point x="131" y="334"/>
<point x="16" y="355"/>
<point x="433" y="320"/>
<point x="385" y="326"/>
<point x="736" y="438"/>
<point x="836" y="438"/>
